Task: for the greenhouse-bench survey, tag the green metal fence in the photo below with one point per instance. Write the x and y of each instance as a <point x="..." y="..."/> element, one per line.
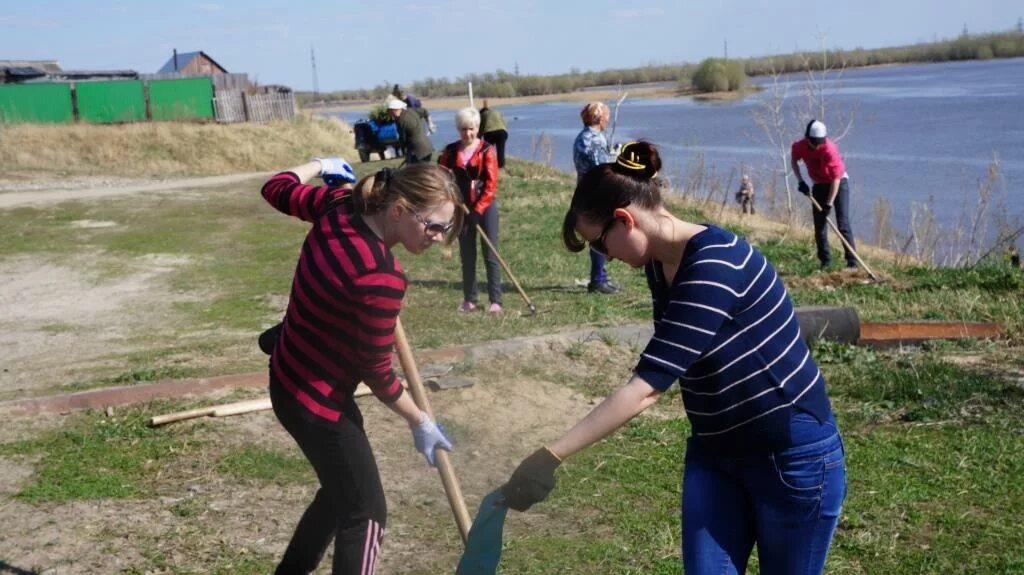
<point x="113" y="101"/>
<point x="184" y="99"/>
<point x="36" y="103"/>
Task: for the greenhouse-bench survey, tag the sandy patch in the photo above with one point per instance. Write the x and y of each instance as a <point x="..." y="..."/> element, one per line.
<point x="55" y="319"/>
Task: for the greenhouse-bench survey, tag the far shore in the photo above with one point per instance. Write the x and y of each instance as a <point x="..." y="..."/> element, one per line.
<point x="609" y="95"/>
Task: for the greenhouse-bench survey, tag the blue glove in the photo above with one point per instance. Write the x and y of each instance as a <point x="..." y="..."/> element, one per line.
<point x="336" y="171"/>
<point x="428" y="436"/>
<point x="804" y="188"/>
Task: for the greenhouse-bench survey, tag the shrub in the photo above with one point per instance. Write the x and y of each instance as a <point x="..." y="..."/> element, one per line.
<point x="380" y="114"/>
<point x="718" y="75"/>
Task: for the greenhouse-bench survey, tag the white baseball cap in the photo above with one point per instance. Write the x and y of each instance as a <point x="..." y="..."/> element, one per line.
<point x="396" y="104"/>
<point x="817" y="130"/>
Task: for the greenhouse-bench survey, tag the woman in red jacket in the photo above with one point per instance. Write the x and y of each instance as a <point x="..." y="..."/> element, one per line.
<point x="475" y="165"/>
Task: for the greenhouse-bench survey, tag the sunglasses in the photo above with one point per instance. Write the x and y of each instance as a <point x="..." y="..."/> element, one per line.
<point x="598" y="244"/>
<point x="432" y="228"/>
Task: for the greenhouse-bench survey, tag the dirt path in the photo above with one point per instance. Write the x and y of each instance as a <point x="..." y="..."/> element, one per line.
<point x="36" y="193"/>
<point x="193" y="516"/>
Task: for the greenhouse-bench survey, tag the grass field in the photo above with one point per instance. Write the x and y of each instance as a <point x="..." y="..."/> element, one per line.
<point x="934" y="435"/>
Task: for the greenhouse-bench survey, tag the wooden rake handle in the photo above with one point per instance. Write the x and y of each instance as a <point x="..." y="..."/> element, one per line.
<point x="444" y="463"/>
<point x="871" y="274"/>
<point x="504" y="266"/>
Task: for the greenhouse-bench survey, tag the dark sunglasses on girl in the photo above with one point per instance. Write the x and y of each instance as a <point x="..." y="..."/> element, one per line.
<point x="597" y="244"/>
<point x="433" y="228"/>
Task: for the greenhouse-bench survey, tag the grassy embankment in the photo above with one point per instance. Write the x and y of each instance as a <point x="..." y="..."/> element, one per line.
<point x="165" y="150"/>
<point x="935" y="449"/>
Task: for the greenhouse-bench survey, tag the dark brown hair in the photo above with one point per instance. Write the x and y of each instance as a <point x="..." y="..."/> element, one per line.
<point x="632" y="179"/>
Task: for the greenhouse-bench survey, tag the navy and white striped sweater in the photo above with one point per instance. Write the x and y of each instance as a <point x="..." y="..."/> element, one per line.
<point x="727" y="331"/>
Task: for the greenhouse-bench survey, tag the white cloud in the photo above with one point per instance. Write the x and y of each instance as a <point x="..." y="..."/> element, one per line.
<point x="209" y="7"/>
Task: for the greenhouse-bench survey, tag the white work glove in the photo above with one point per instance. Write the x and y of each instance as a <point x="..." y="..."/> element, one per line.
<point x="429" y="436"/>
<point x="336" y="171"/>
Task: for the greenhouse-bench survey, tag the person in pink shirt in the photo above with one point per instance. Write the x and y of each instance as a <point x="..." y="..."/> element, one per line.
<point x="830" y="188"/>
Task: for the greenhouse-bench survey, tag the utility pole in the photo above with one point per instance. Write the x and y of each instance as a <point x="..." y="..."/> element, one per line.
<point x="725" y="44"/>
<point x="316" y="83"/>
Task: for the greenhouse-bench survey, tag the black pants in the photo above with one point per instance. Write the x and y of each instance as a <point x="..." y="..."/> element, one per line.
<point x="467" y="253"/>
<point x="349" y="507"/>
<point x="497" y="139"/>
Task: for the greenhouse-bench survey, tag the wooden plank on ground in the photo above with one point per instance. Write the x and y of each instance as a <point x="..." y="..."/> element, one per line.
<point x="884" y="334"/>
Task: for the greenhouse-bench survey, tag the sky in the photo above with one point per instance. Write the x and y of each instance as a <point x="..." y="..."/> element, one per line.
<point x="359" y="44"/>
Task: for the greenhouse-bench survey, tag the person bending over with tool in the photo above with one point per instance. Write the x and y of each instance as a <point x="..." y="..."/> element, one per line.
<point x="764" y="464"/>
<point x="475" y="165"/>
<point x="412" y="140"/>
<point x="339" y="330"/>
<point x="831" y="188"/>
<point x="416" y="105"/>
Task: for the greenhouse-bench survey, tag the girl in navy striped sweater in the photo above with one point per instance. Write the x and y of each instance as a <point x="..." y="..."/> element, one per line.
<point x="765" y="463"/>
<point x="339" y="330"/>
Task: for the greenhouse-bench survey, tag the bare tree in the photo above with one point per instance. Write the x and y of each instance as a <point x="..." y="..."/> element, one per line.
<point x="781" y="123"/>
<point x="771" y="117"/>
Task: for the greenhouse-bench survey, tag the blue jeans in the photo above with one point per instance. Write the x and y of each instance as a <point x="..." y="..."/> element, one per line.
<point x="597" y="274"/>
<point x="786" y="501"/>
<point x="841" y="207"/>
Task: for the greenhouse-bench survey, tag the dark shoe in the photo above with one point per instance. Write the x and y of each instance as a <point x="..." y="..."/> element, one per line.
<point x="851" y="265"/>
<point x="604" y="287"/>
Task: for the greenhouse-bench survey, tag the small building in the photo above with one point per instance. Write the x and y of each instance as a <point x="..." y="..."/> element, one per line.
<point x="18" y="71"/>
<point x="198" y="63"/>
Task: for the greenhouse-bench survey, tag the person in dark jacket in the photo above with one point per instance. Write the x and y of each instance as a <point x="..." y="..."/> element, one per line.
<point x="494" y="131"/>
<point x="411" y="136"/>
<point x="414" y="103"/>
<point x="475" y="165"/>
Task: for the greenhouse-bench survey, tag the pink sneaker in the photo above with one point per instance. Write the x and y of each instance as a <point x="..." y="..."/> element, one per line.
<point x="467" y="306"/>
<point x="494" y="309"/>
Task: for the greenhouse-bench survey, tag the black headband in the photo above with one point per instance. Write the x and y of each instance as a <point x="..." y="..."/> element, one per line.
<point x="384" y="175"/>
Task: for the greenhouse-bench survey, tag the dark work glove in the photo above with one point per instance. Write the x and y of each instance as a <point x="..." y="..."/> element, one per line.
<point x="804" y="188"/>
<point x="826" y="210"/>
<point x="532" y="480"/>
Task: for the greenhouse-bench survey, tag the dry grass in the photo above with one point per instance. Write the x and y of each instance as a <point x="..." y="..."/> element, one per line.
<point x="163" y="149"/>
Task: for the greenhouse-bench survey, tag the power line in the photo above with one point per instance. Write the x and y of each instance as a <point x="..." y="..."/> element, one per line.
<point x="316" y="83"/>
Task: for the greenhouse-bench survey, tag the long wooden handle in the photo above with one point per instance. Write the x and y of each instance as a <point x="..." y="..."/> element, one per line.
<point x="444" y="464"/>
<point x="504" y="266"/>
<point x="226" y="409"/>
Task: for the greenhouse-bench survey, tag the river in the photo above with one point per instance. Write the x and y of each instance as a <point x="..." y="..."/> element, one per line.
<point x="920" y="133"/>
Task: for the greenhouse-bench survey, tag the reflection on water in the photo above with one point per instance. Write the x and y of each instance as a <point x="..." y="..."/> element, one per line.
<point x="919" y="132"/>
